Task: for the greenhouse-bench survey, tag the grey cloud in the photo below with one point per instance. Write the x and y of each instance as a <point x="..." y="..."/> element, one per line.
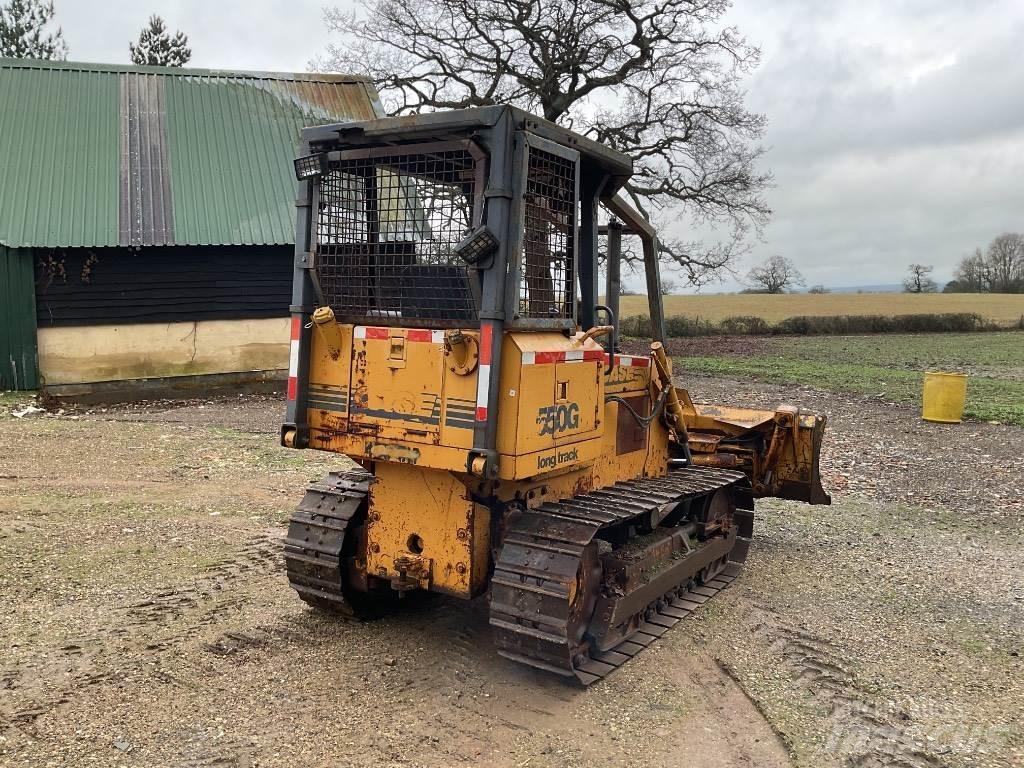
<point x="872" y="170"/>
<point x="817" y="102"/>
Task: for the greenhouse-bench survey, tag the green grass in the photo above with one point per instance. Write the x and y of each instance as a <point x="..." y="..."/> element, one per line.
<point x="892" y="367"/>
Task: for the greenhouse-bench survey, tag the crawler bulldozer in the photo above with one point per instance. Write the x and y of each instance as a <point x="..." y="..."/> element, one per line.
<point x="447" y="338"/>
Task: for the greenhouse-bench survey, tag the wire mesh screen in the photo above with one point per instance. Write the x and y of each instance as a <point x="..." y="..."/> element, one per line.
<point x="547" y="289"/>
<point x="386" y="232"/>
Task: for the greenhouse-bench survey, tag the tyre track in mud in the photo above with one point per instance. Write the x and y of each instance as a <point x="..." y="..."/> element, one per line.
<point x="470" y="673"/>
<point x="430" y="677"/>
<point x="153" y="625"/>
<point x="858" y="734"/>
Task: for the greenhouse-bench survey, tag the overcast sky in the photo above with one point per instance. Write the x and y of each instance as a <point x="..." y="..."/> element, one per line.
<point x="896" y="127"/>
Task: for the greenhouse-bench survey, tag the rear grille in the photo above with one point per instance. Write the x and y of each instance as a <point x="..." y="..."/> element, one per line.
<point x="547" y="288"/>
<point x="387" y="226"/>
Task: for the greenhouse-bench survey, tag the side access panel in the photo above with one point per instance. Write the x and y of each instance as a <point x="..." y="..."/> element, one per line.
<point x="551" y="403"/>
<point x="397" y="377"/>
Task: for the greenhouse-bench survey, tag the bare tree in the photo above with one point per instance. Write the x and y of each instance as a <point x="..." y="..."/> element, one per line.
<point x="818" y="289"/>
<point x="1005" y="261"/>
<point x="919" y="280"/>
<point x="973" y="274"/>
<point x="998" y="269"/>
<point x="774" y="276"/>
<point x="669" y="286"/>
<point x="657" y="79"/>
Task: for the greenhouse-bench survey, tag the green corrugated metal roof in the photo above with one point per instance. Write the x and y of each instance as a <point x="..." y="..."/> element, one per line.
<point x="98" y="155"/>
<point x="58" y="157"/>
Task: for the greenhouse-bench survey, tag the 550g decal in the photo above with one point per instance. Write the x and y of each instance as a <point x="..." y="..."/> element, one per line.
<point x="558" y="418"/>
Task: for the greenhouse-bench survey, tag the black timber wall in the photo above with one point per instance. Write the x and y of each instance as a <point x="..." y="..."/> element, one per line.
<point x="102" y="286"/>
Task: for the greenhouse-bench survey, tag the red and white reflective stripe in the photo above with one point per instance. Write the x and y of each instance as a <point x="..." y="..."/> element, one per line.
<point x="362" y="332"/>
<point x="627" y="361"/>
<point x="563" y="356"/>
<point x="413" y="334"/>
<point x="483" y="376"/>
<point x="584" y="355"/>
<point x="431" y="337"/>
<point x="293" y="358"/>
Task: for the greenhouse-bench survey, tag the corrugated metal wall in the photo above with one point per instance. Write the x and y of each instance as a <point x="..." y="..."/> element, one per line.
<point x="19" y="367"/>
<point x="97" y="157"/>
<point x="147" y="215"/>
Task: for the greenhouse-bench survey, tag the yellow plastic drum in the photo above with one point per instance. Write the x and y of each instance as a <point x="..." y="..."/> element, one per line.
<point x="944" y="397"/>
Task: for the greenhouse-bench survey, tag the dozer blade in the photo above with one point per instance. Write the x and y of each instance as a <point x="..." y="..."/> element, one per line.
<point x="576" y="592"/>
<point x="778" y="450"/>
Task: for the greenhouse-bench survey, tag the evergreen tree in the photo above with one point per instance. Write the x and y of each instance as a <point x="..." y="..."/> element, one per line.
<point x="23" y="32"/>
<point x="157" y="47"/>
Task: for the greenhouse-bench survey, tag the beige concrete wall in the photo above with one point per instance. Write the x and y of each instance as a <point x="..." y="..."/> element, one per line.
<point x="156" y="350"/>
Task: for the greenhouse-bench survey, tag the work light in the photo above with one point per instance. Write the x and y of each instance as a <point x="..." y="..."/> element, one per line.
<point x="310" y="166"/>
<point x="477" y="245"/>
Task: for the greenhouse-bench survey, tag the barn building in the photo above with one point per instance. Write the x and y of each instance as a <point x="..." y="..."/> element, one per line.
<point x="147" y="218"/>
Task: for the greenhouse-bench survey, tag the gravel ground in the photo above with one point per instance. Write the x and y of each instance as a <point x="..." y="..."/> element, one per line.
<point x="886" y="629"/>
<point x="147" y="623"/>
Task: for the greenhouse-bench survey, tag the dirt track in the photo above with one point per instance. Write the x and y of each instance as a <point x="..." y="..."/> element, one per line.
<point x="146" y="621"/>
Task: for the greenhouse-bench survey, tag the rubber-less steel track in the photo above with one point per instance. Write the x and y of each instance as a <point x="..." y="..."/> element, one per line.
<point x="535" y="602"/>
<point x="314" y="551"/>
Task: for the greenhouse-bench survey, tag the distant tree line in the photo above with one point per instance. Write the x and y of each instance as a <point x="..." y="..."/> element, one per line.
<point x="997" y="269"/>
<point x="676" y="326"/>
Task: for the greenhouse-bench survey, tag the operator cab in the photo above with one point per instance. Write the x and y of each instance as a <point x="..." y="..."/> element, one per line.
<point x="413" y="216"/>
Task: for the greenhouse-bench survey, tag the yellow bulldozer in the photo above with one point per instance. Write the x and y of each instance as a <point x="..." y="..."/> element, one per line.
<point x="447" y="338"/>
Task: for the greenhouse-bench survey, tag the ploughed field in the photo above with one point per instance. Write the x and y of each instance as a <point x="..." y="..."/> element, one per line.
<point x="1001" y="308"/>
<point x="146" y="620"/>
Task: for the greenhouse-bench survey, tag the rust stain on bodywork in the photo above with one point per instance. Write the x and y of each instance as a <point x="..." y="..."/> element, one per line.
<point x="400" y="454"/>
